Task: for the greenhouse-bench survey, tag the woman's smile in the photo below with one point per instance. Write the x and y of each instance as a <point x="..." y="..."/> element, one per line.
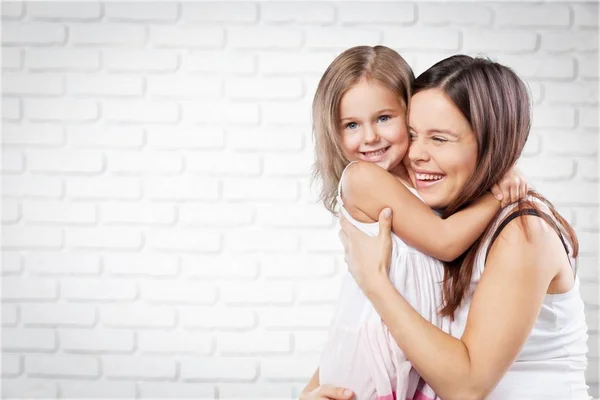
<point x="426" y="179"/>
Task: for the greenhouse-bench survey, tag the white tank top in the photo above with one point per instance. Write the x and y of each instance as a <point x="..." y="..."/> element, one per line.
<point x="552" y="363"/>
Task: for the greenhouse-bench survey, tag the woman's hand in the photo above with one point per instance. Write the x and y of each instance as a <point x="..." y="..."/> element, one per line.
<point x="328" y="392"/>
<point x="368" y="257"/>
<point x="511" y="188"/>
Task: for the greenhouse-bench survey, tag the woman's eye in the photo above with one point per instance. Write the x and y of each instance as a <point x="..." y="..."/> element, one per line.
<point x="351" y="125"/>
<point x="384" y="118"/>
<point x="439" y="139"/>
<point x="412" y="136"/>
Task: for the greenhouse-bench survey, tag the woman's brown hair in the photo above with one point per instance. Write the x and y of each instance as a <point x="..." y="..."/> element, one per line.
<point x="378" y="63"/>
<point x="496" y="103"/>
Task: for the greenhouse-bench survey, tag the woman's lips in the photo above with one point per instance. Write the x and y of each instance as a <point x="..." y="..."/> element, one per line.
<point x="427" y="180"/>
<point x="421" y="184"/>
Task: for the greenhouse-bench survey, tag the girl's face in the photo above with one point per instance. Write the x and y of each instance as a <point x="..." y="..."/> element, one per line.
<point x="372" y="123"/>
<point x="443" y="150"/>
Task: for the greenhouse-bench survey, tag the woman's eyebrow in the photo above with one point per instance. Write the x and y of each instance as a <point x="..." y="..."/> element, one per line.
<point x="444" y="131"/>
<point x="434" y="131"/>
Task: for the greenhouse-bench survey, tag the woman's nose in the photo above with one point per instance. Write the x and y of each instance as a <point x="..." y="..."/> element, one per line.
<point x="417" y="151"/>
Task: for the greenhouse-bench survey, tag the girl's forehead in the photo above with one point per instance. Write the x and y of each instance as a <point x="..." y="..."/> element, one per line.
<point x="370" y="94"/>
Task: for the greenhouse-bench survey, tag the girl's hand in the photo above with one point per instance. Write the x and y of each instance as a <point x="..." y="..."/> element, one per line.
<point x="368" y="257"/>
<point x="511" y="188"/>
<point x="328" y="392"/>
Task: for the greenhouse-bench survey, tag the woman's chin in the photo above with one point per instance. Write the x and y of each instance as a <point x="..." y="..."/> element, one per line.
<point x="436" y="197"/>
<point x="433" y="201"/>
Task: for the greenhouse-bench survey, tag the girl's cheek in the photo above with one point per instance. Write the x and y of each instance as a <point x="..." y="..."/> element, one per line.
<point x="351" y="146"/>
<point x="398" y="134"/>
<point x="345" y="144"/>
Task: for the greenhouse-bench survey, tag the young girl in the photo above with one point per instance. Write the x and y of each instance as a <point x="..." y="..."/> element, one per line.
<point x="359" y="113"/>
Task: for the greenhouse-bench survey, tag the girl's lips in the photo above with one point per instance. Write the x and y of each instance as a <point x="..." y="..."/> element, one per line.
<point x="374" y="158"/>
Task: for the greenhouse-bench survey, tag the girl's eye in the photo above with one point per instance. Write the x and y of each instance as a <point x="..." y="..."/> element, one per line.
<point x="384" y="118"/>
<point x="351" y="125"/>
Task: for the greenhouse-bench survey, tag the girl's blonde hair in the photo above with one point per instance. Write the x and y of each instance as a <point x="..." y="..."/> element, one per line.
<point x="378" y="63"/>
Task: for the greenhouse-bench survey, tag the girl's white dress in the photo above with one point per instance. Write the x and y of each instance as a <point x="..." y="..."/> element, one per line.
<point x="360" y="353"/>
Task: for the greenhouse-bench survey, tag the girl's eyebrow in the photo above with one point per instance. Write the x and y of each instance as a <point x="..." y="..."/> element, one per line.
<point x="385" y="110"/>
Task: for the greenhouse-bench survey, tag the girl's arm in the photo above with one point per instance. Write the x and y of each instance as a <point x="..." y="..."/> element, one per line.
<point x="516" y="277"/>
<point x="368" y="188"/>
<point x="511" y="188"/>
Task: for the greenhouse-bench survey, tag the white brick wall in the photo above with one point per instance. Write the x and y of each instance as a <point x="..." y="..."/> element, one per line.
<point x="160" y="236"/>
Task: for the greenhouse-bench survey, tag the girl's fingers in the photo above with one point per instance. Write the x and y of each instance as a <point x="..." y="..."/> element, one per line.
<point x="505" y="188"/>
<point x="515" y="194"/>
<point x="524" y="190"/>
<point x="497" y="192"/>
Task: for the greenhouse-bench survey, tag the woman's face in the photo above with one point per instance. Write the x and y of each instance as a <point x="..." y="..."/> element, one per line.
<point x="372" y="124"/>
<point x="443" y="150"/>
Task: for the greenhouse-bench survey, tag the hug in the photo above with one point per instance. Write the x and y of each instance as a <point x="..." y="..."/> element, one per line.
<point x="461" y="278"/>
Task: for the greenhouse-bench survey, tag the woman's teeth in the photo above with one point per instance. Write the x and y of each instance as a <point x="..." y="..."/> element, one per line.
<point x="376" y="152"/>
<point x="428" y="177"/>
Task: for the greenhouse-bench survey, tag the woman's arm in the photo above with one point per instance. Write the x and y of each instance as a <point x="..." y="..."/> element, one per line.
<point x="516" y="278"/>
<point x="369" y="188"/>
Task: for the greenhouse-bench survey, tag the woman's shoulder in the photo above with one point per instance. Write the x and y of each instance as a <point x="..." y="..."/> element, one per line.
<point x="526" y="228"/>
<point x="519" y="227"/>
<point x="528" y="217"/>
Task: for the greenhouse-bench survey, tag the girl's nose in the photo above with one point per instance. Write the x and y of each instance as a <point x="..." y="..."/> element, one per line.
<point x="371" y="135"/>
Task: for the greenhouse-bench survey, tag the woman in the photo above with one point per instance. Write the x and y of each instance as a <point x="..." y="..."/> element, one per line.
<point x="525" y="334"/>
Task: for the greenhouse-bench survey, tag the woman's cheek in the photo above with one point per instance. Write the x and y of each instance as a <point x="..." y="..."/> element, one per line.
<point x="462" y="172"/>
